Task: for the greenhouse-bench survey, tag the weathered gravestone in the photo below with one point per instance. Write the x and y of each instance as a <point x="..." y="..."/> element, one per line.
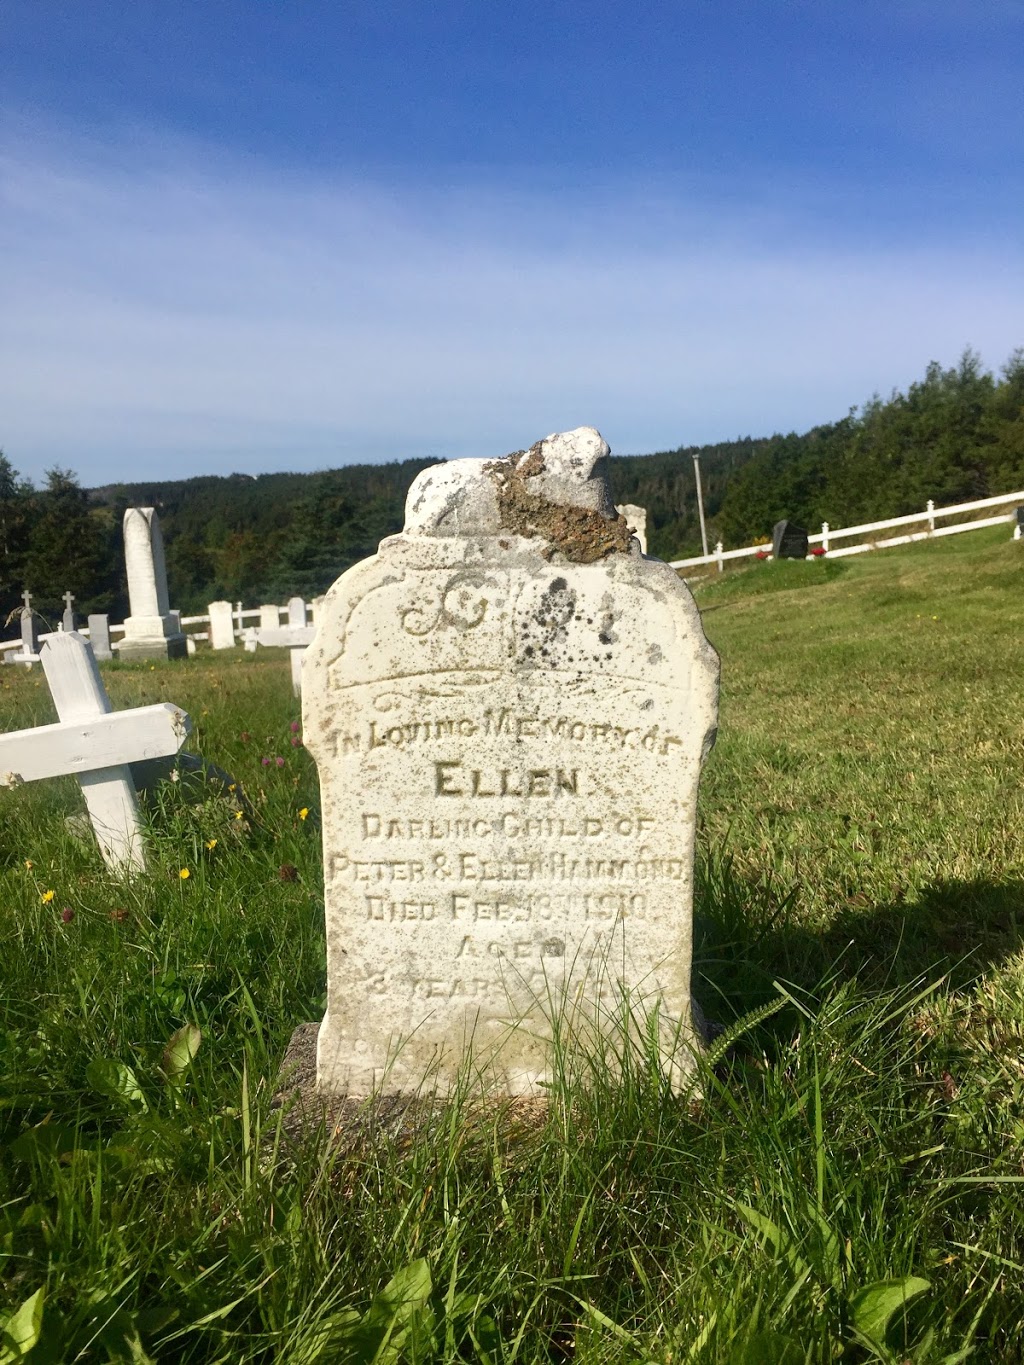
<point x="222" y="625"/>
<point x="636" y="520"/>
<point x="509" y="708"/>
<point x="29" y="652"/>
<point x="150" y="632"/>
<point x="68" y="619"/>
<point x="99" y="637"/>
<point x="789" y="541"/>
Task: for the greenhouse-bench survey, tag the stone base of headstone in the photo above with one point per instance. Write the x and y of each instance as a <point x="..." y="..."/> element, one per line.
<point x="168" y="647"/>
<point x="350" y="1122"/>
<point x="397" y="1118"/>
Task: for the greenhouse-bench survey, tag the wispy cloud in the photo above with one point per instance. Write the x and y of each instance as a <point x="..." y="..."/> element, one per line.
<point x="168" y="311"/>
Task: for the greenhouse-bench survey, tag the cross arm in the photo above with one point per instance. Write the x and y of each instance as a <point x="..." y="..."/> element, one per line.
<point x="294" y="637"/>
<point x="84" y="746"/>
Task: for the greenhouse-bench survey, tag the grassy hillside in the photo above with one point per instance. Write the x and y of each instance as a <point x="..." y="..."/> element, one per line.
<point x="846" y="1185"/>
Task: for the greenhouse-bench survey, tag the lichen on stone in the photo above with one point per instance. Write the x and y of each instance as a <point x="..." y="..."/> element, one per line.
<point x="580" y="534"/>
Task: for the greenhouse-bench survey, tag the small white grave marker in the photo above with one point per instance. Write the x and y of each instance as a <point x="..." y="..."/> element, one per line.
<point x="296" y="636"/>
<point x="636" y="520"/>
<point x="94" y="744"/>
<point x="29" y="652"/>
<point x="99" y="637"/>
<point x="222" y="625"/>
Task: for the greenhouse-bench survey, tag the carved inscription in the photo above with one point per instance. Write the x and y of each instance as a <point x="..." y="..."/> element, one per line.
<point x="504" y="723"/>
<point x="509" y="739"/>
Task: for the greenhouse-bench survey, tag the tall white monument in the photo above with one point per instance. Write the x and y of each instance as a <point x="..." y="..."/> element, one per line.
<point x="509" y="707"/>
<point x="151" y="631"/>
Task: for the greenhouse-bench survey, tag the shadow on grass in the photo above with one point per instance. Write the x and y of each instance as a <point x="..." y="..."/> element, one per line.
<point x="747" y="935"/>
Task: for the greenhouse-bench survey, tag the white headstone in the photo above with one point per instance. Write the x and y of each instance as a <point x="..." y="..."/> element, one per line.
<point x="28" y="654"/>
<point x="150" y="631"/>
<point x="99" y="637"/>
<point x="68" y="618"/>
<point x="269" y="616"/>
<point x="509" y="709"/>
<point x="636" y="520"/>
<point x="222" y="625"/>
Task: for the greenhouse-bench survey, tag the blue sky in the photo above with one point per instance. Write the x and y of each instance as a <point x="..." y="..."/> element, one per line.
<point x="255" y="236"/>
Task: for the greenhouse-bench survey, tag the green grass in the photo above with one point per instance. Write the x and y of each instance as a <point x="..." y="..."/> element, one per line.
<point x="848" y="1183"/>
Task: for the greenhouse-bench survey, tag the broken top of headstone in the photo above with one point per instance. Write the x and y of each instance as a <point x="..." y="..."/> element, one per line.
<point x="557" y="490"/>
<point x="509" y="707"/>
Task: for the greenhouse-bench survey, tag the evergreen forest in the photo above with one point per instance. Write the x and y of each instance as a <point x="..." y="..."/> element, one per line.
<point x="954" y="436"/>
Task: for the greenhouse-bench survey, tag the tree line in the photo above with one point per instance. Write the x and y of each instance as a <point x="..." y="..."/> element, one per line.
<point x="956" y="435"/>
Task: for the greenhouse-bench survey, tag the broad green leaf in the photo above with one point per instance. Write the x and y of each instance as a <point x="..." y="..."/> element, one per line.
<point x="112" y="1078"/>
<point x="181" y="1049"/>
<point x="407" y="1290"/>
<point x="21" y="1330"/>
<point x="398" y="1311"/>
<point x="778" y="1237"/>
<point x="44" y="1140"/>
<point x="873" y="1308"/>
<point x="770" y="1348"/>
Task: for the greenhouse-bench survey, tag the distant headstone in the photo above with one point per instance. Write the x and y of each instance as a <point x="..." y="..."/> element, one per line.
<point x="222" y="625"/>
<point x="789" y="541"/>
<point x="296" y="618"/>
<point x="99" y="637"/>
<point x="150" y="632"/>
<point x="509" y="708"/>
<point x="29" y="652"/>
<point x="68" y="619"/>
<point x="270" y="615"/>
<point x="636" y="520"/>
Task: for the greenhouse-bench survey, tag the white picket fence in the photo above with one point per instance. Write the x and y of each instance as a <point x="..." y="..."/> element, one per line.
<point x="827" y="535"/>
<point x="240" y="617"/>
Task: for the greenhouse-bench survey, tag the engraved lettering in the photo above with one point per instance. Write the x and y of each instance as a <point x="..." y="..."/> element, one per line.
<point x="443" y="779"/>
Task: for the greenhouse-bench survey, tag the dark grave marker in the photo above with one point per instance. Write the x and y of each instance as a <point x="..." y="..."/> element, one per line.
<point x="789" y="541"/>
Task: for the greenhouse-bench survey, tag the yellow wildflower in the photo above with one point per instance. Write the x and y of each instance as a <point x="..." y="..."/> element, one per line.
<point x="303" y="812"/>
<point x="47" y="896"/>
<point x="184" y="874"/>
<point x="238" y="815"/>
<point x="29" y="864"/>
<point x="211" y="843"/>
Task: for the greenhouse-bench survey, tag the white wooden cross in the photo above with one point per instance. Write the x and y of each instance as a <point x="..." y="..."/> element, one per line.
<point x="94" y="744"/>
<point x="296" y="636"/>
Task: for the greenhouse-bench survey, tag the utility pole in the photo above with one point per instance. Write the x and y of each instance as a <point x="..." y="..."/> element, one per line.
<point x="700" y="503"/>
